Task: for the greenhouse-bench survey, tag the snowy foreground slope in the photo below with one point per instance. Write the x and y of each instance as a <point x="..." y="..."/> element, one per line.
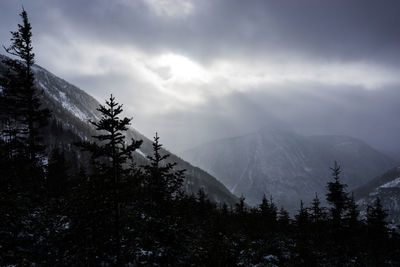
<point x="286" y="165"/>
<point x="72" y="108"/>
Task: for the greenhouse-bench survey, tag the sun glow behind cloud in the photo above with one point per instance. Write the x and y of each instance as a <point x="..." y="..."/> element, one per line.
<point x="182" y="69"/>
<point x="166" y="80"/>
<point x="172" y="81"/>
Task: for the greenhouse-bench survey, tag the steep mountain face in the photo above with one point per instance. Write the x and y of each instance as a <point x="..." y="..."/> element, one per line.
<point x="286" y="165"/>
<point x="72" y="108"/>
<point x="387" y="188"/>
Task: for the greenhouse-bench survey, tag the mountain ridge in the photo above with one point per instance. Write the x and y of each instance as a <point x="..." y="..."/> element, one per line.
<point x="72" y="108"/>
<point x="286" y="165"/>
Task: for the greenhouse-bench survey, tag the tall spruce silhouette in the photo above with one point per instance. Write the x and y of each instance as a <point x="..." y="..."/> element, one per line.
<point x="376" y="221"/>
<point x="21" y="120"/>
<point x="337" y="196"/>
<point x="22" y="111"/>
<point x="317" y="213"/>
<point x="110" y="154"/>
<point x="378" y="233"/>
<point x="162" y="180"/>
<point x="163" y="191"/>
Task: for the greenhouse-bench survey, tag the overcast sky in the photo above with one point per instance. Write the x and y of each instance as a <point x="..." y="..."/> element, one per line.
<point x="197" y="70"/>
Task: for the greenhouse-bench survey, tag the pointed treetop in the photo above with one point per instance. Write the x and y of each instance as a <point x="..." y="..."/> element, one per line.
<point x="21" y="40"/>
<point x="336" y="170"/>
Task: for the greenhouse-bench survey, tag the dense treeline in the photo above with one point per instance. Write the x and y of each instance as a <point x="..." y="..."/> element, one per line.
<point x="114" y="212"/>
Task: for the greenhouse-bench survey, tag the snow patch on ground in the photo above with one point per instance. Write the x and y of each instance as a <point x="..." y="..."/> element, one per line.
<point x="391" y="184"/>
<point x="65" y="102"/>
<point x="74" y="109"/>
<point x="45" y="161"/>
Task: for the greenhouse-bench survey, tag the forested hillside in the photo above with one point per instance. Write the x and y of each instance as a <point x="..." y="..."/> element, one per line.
<point x="110" y="206"/>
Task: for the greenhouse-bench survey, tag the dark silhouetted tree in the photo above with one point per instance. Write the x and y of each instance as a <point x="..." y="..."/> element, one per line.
<point x="317" y="213"/>
<point x="378" y="231"/>
<point x="376" y="219"/>
<point x="352" y="214"/>
<point x="24" y="116"/>
<point x="162" y="180"/>
<point x="110" y="154"/>
<point x="268" y="211"/>
<point x="163" y="191"/>
<point x="337" y="196"/>
<point x="22" y="176"/>
<point x="240" y="207"/>
<point x="302" y="217"/>
<point x="283" y="219"/>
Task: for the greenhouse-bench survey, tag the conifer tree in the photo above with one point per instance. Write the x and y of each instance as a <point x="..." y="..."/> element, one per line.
<point x="110" y="154"/>
<point x="111" y="140"/>
<point x="338" y="199"/>
<point x="283" y="218"/>
<point x="264" y="206"/>
<point x="22" y="113"/>
<point x="317" y="217"/>
<point x="317" y="212"/>
<point x="302" y="217"/>
<point x="377" y="227"/>
<point x="201" y="196"/>
<point x="337" y="196"/>
<point x="273" y="209"/>
<point x="353" y="228"/>
<point x="268" y="210"/>
<point x="163" y="191"/>
<point x="303" y="247"/>
<point x="21" y="119"/>
<point x="376" y="220"/>
<point x="163" y="181"/>
<point x="240" y="207"/>
<point x="352" y="214"/>
<point x="203" y="203"/>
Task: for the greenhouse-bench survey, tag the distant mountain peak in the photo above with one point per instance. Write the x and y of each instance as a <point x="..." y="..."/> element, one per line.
<point x="286" y="165"/>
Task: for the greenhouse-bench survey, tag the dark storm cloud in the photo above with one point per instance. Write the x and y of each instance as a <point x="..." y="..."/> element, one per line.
<point x="341" y="29"/>
<point x="360" y="30"/>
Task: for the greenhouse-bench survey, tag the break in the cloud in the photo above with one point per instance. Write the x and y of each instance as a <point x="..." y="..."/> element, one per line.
<point x="215" y="68"/>
<point x="169" y="8"/>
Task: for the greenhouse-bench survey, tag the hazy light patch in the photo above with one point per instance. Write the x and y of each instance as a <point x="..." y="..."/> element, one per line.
<point x="167" y="82"/>
<point x="244" y="76"/>
<point x="176" y="89"/>
<point x="171" y="8"/>
<point x="181" y="78"/>
<point x="183" y="69"/>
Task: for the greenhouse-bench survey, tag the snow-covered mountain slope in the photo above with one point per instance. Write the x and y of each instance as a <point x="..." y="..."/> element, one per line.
<point x="387" y="188"/>
<point x="72" y="108"/>
<point x="286" y="165"/>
